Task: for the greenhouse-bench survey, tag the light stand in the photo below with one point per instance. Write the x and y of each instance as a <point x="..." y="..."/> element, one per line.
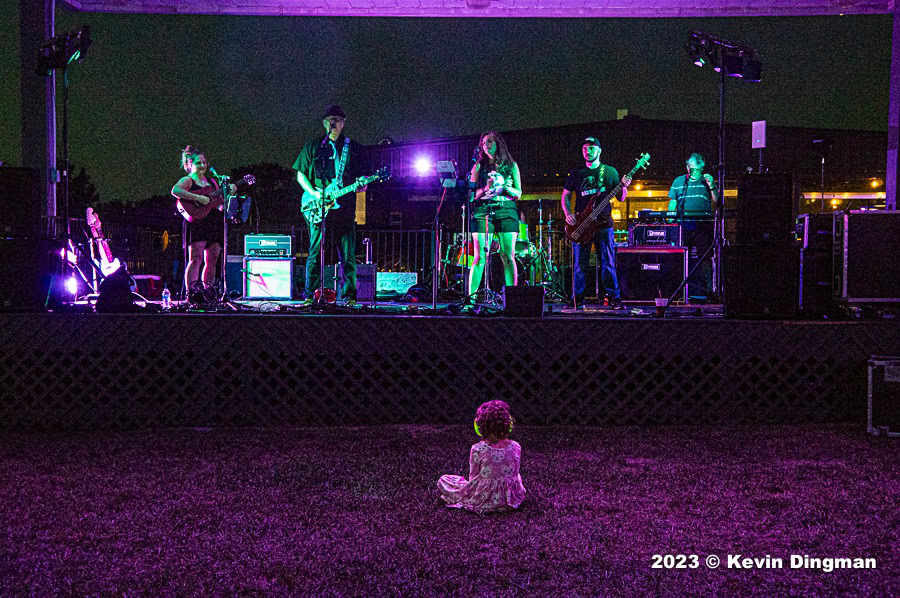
<point x="58" y="53"/>
<point x="734" y="60"/>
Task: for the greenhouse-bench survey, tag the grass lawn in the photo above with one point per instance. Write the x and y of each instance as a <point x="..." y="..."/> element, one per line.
<point x="355" y="511"/>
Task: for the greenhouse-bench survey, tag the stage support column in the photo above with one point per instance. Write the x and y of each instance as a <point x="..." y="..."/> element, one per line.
<point x="36" y="25"/>
<point x="893" y="156"/>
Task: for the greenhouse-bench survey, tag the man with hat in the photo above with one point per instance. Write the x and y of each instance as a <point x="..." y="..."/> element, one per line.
<point x="594" y="179"/>
<point x="322" y="161"/>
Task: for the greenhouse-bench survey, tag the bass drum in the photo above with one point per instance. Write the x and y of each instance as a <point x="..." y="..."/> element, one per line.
<point x="498" y="280"/>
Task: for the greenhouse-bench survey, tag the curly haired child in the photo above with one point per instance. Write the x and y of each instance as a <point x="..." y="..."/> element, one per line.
<point x="494" y="482"/>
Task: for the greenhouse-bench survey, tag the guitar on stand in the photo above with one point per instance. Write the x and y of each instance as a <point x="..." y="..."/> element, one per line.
<point x="192" y="212"/>
<point x="586" y="222"/>
<point x="311" y="206"/>
<point x="107" y="264"/>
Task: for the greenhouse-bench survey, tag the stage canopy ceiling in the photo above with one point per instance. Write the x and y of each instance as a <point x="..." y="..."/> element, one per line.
<point x="492" y="8"/>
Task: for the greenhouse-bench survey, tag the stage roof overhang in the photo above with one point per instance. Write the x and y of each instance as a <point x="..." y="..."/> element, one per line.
<point x="492" y="8"/>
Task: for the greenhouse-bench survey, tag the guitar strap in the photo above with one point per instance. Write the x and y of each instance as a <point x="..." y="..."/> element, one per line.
<point x="339" y="167"/>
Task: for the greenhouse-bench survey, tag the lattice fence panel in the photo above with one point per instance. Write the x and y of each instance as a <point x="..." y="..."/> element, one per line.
<point x="91" y="372"/>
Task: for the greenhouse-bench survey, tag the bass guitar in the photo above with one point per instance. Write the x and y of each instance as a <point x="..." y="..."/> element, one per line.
<point x="311" y="206"/>
<point x="586" y="222"/>
<point x="193" y="212"/>
<point x="108" y="264"/>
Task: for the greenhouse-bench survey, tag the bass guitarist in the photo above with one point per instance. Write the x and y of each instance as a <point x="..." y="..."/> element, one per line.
<point x="332" y="159"/>
<point x="204" y="235"/>
<point x="594" y="179"/>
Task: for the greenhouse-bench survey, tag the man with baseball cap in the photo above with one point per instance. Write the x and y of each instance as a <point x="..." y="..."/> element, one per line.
<point x="594" y="179"/>
<point x="321" y="161"/>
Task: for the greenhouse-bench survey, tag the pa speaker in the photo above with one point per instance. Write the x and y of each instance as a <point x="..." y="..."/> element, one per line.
<point x="761" y="281"/>
<point x="766" y="209"/>
<point x="20" y="202"/>
<point x="25" y="266"/>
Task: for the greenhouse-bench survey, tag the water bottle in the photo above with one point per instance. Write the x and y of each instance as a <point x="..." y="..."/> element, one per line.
<point x="166" y="297"/>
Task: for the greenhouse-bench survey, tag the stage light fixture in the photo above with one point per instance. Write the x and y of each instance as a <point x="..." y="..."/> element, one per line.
<point x="61" y="51"/>
<point x="752" y="70"/>
<point x="422" y="166"/>
<point x="737" y="60"/>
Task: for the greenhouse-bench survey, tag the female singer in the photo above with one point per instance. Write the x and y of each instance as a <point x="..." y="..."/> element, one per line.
<point x="499" y="186"/>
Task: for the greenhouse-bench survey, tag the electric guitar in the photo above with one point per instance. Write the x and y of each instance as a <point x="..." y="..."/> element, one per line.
<point x="586" y="222"/>
<point x="311" y="206"/>
<point x="108" y="264"/>
<point x="192" y="212"/>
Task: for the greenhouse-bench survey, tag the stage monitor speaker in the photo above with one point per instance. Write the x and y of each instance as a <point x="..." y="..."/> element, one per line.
<point x="523" y="301"/>
<point x="761" y="281"/>
<point x="268" y="278"/>
<point x="646" y="273"/>
<point x="25" y="266"/>
<point x="20" y="202"/>
<point x="866" y="247"/>
<point x="766" y="209"/>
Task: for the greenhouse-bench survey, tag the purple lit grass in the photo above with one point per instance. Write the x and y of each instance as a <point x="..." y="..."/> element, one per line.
<point x="355" y="511"/>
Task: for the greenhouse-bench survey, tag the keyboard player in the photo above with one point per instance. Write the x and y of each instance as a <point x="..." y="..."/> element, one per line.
<point x="695" y="192"/>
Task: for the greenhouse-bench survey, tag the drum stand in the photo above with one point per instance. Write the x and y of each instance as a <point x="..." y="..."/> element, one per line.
<point x="549" y="278"/>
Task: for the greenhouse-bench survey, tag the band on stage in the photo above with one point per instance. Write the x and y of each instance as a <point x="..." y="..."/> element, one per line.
<point x="331" y="168"/>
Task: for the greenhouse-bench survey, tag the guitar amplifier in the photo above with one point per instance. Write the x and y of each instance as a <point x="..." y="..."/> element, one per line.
<point x="655" y="234"/>
<point x="646" y="273"/>
<point x="267" y="245"/>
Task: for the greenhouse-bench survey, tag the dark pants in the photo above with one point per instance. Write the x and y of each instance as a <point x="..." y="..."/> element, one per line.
<point x="604" y="243"/>
<point x="345" y="234"/>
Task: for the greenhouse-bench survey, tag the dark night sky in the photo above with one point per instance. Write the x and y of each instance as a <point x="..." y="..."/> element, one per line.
<point x="250" y="90"/>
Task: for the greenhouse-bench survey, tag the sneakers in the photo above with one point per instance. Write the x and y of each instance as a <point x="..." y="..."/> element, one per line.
<point x="305" y="302"/>
<point x="616" y="304"/>
<point x="350" y="303"/>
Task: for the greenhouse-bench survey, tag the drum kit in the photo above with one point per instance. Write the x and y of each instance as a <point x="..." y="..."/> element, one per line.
<point x="534" y="258"/>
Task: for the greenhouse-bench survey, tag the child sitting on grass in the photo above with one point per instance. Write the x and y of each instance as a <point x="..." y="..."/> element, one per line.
<point x="494" y="482"/>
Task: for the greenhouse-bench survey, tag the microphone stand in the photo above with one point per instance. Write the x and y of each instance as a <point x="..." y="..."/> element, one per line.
<point x="224" y="299"/>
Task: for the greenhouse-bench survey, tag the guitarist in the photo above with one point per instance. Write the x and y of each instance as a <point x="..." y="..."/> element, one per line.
<point x="594" y="179"/>
<point x="204" y="236"/>
<point x="317" y="166"/>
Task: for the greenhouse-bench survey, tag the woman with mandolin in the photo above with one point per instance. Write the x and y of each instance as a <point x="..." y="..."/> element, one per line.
<point x="204" y="234"/>
<point x="494" y="211"/>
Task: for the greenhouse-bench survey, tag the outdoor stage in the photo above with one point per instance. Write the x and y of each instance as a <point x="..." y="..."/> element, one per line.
<point x="89" y="371"/>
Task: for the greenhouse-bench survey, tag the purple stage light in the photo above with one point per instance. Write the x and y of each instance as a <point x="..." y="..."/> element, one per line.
<point x="72" y="285"/>
<point x="423" y="166"/>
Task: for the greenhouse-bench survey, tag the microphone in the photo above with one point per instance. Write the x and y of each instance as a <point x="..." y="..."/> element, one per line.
<point x="476" y="153"/>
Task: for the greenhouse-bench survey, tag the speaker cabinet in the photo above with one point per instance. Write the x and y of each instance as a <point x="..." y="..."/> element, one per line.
<point x="523" y="301"/>
<point x="646" y="273"/>
<point x="766" y="208"/>
<point x="20" y="202"/>
<point x="761" y="281"/>
<point x="25" y="266"/>
<point x="366" y="282"/>
<point x="866" y="246"/>
<point x="268" y="278"/>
